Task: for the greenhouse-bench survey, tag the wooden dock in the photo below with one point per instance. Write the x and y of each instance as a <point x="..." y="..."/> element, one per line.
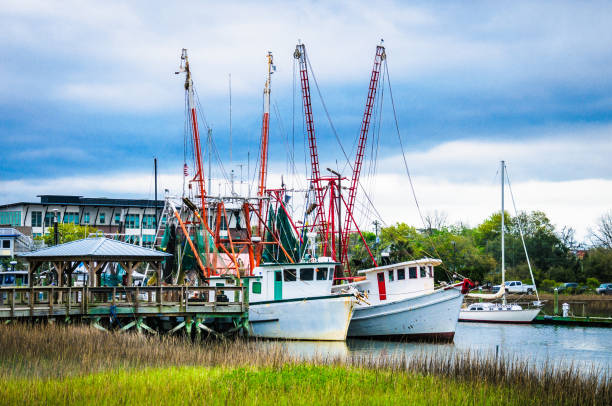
<point x="153" y="308"/>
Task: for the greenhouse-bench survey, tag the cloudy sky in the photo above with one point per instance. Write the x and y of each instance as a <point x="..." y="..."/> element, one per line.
<point x="88" y="97"/>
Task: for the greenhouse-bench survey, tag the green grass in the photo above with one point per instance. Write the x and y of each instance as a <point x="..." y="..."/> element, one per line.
<point x="288" y="384"/>
<point x="80" y="365"/>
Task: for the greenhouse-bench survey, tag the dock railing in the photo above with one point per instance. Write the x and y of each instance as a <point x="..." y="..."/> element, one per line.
<point x="40" y="301"/>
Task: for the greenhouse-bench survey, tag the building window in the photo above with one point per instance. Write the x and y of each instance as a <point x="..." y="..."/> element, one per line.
<point x="148" y="221"/>
<point x="423" y="272"/>
<point x="86" y="217"/>
<point x="289" y="275"/>
<point x="117" y="218"/>
<point x="132" y="239"/>
<point x="102" y="218"/>
<point x="71" y="218"/>
<point x="307" y="274"/>
<point x="401" y="274"/>
<point x="36" y="219"/>
<point x="132" y="221"/>
<point x="256" y="287"/>
<point x="412" y="271"/>
<point x="6" y="243"/>
<point x="322" y="274"/>
<point x="10" y="218"/>
<point x="148" y="240"/>
<point x="49" y="219"/>
<point x="35" y="235"/>
<point x="391" y="275"/>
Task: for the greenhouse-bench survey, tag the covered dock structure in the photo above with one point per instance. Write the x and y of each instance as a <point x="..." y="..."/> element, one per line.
<point x="95" y="254"/>
<point x="216" y="310"/>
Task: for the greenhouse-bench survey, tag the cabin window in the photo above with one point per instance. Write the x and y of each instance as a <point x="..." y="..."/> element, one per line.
<point x="423" y="272"/>
<point x="401" y="274"/>
<point x="412" y="272"/>
<point x="256" y="287"/>
<point x="6" y="243"/>
<point x="277" y="276"/>
<point x="289" y="275"/>
<point x="322" y="274"/>
<point x="306" y="274"/>
<point x="331" y="274"/>
<point x="431" y="271"/>
<point x="391" y="275"/>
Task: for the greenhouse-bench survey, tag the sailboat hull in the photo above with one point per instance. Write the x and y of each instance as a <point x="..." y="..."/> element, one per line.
<point x="432" y="316"/>
<point x="315" y="318"/>
<point x="499" y="316"/>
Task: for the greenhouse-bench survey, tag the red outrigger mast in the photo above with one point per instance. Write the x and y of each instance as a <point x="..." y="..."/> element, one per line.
<point x="316" y="180"/>
<point x="331" y="225"/>
<point x="363" y="135"/>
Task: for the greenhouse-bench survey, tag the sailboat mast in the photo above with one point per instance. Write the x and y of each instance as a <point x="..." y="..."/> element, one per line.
<point x="503" y="246"/>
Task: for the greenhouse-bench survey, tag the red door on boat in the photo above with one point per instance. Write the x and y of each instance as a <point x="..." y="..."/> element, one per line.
<point x="382" y="290"/>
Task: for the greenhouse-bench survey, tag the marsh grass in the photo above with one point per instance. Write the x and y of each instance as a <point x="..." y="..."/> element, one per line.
<point x="59" y="364"/>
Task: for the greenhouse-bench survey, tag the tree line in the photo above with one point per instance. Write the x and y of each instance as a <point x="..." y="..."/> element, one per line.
<point x="555" y="255"/>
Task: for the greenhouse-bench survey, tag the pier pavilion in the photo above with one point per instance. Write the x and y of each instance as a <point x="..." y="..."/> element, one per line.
<point x="216" y="310"/>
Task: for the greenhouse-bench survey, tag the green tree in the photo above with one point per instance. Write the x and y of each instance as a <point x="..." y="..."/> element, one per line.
<point x="598" y="264"/>
<point x="69" y="232"/>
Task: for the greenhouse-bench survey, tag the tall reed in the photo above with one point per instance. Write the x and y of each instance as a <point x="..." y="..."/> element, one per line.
<point x="53" y="351"/>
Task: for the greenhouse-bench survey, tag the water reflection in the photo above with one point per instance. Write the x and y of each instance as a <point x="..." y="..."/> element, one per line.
<point x="583" y="347"/>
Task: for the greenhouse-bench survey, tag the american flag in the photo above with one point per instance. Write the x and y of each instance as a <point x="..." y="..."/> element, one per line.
<point x="186" y="170"/>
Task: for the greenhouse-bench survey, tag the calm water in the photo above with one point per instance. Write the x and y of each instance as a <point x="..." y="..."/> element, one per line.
<point x="584" y="347"/>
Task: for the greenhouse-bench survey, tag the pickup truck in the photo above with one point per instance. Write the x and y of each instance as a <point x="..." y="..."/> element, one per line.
<point x="515" y="287"/>
<point x="604" y="289"/>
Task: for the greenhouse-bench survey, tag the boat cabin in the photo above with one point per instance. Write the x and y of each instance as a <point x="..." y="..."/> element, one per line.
<point x="489" y="307"/>
<point x="273" y="282"/>
<point x="399" y="281"/>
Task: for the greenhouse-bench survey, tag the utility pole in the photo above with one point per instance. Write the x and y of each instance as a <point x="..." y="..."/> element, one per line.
<point x="376" y="225"/>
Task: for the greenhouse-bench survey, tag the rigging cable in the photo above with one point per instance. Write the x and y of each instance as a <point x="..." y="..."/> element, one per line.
<point x="522" y="237"/>
<point x="338" y="138"/>
<point x="386" y="69"/>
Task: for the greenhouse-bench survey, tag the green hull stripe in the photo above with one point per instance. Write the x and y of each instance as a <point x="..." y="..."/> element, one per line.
<point x="299" y="299"/>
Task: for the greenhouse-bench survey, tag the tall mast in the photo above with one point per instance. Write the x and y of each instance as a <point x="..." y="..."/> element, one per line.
<point x="265" y="130"/>
<point x="300" y="55"/>
<point x="363" y="135"/>
<point x="503" y="252"/>
<point x="197" y="151"/>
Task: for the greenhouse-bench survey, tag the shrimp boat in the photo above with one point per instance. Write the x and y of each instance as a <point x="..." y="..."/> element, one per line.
<point x="492" y="312"/>
<point x="293" y="301"/>
<point x="402" y="303"/>
<point x="251" y="241"/>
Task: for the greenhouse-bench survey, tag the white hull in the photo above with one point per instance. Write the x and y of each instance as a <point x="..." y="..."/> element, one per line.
<point x="432" y="316"/>
<point x="499" y="316"/>
<point x="316" y="318"/>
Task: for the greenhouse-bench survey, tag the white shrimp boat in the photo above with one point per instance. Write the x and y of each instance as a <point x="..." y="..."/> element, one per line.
<point x="402" y="303"/>
<point x="490" y="312"/>
<point x="293" y="301"/>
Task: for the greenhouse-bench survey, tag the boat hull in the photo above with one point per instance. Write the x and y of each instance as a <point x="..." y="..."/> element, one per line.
<point x="499" y="316"/>
<point x="317" y="318"/>
<point x="432" y="317"/>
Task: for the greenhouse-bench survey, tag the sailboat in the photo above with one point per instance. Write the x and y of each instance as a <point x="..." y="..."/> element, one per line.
<point x="494" y="312"/>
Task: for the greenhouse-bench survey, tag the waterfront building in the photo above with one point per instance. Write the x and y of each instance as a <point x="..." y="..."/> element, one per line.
<point x="135" y="220"/>
<point x="13" y="241"/>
